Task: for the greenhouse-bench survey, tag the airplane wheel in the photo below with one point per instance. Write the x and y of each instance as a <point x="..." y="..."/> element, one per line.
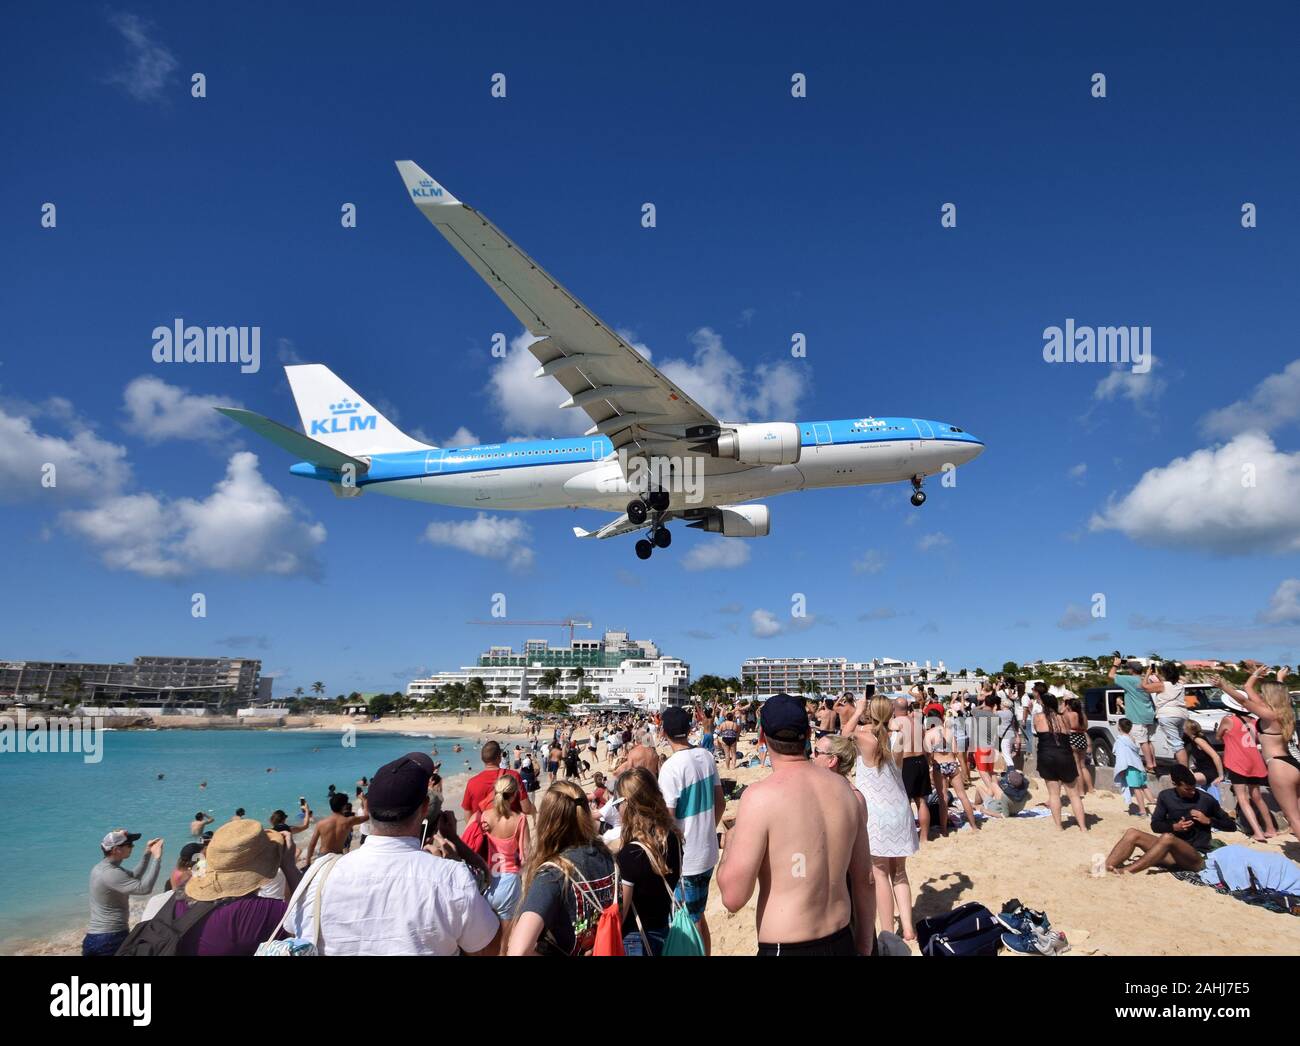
<point x="918" y="498"/>
<point x="661" y="537"/>
<point x="659" y="500"/>
<point x="637" y="512"/>
<point x="643" y="549"/>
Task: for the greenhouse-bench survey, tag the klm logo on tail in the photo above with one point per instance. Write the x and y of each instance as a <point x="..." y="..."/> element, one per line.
<point x="343" y="418"/>
<point x="426" y="188"/>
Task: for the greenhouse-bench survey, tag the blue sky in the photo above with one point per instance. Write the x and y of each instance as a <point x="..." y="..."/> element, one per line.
<point x="775" y="214"/>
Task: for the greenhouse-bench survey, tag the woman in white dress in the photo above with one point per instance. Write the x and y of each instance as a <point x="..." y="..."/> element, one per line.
<point x="890" y="824"/>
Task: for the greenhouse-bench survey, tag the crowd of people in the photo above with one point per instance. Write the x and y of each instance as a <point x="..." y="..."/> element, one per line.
<point x="610" y="833"/>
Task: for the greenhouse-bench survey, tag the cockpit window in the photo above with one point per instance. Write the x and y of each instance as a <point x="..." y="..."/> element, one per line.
<point x="954" y="428"/>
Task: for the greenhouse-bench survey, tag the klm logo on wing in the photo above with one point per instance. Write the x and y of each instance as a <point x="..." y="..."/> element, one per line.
<point x="426" y="189"/>
<point x="343" y="418"/>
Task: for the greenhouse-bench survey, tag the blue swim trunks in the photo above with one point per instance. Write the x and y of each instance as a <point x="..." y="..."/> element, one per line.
<point x="693" y="891"/>
<point x="706" y="742"/>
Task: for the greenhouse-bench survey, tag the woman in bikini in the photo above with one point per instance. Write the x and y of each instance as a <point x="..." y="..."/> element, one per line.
<point x="944" y="767"/>
<point x="1245" y="767"/>
<point x="1271" y="702"/>
<point x="728" y="735"/>
<point x="1056" y="760"/>
<point x="1079" y="742"/>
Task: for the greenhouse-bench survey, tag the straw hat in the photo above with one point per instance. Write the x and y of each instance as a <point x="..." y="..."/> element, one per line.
<point x="241" y="858"/>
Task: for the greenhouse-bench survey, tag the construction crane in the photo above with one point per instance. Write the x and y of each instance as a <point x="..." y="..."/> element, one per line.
<point x="568" y="622"/>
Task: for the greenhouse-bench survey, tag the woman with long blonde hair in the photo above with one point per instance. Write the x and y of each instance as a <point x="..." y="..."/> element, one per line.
<point x="649" y="862"/>
<point x="890" y="825"/>
<point x="568" y="878"/>
<point x="506" y="832"/>
<point x="1272" y="703"/>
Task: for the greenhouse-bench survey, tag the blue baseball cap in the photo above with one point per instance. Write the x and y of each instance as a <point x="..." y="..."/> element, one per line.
<point x="784" y="719"/>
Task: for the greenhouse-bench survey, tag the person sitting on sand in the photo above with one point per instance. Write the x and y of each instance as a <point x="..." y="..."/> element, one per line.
<point x="1183" y="818"/>
<point x="331" y="834"/>
<point x="1006" y="796"/>
<point x="800" y="817"/>
<point x="200" y="822"/>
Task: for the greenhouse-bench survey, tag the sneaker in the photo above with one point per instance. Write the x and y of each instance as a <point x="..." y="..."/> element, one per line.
<point x="1021" y="943"/>
<point x="1021" y="919"/>
<point x="1051" y="942"/>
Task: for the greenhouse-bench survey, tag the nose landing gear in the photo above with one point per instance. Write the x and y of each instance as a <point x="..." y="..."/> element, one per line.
<point x="918" y="495"/>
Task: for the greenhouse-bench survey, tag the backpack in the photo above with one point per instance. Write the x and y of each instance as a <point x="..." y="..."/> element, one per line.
<point x="590" y="917"/>
<point x="969" y="929"/>
<point x="683" y="937"/>
<point x="162" y="934"/>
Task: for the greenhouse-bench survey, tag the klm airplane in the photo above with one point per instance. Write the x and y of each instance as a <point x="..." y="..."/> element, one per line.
<point x="652" y="453"/>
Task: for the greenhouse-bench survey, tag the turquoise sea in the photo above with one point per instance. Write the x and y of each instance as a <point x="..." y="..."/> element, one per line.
<point x="54" y="808"/>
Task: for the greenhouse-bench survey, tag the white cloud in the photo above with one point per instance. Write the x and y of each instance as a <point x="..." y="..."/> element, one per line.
<point x="149" y="64"/>
<point x="84" y="464"/>
<point x="1078" y="471"/>
<point x="1075" y="617"/>
<point x="763" y="623"/>
<point x="1284" y="607"/>
<point x="462" y="437"/>
<point x="717" y="554"/>
<point x="713" y="377"/>
<point x="529" y="405"/>
<point x="1274" y="404"/>
<point x="872" y="562"/>
<point x="1202" y="501"/>
<point x="492" y="537"/>
<point x="157" y="411"/>
<point x="1139" y="389"/>
<point x="936" y="540"/>
<point x="243" y="527"/>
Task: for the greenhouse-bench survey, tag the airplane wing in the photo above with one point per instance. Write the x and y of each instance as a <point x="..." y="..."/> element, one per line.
<point x="625" y="396"/>
<point x="293" y="441"/>
<point x="617" y="527"/>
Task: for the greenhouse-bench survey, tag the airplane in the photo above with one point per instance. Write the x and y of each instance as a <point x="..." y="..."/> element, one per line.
<point x="652" y="452"/>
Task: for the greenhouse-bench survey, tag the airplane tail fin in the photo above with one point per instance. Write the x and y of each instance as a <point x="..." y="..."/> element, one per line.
<point x="334" y="414"/>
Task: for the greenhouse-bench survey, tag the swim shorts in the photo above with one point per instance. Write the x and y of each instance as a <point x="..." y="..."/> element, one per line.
<point x="693" y="891"/>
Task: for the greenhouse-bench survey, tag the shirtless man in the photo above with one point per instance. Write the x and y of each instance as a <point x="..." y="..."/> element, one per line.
<point x="200" y="822"/>
<point x="638" y="755"/>
<point x="913" y="763"/>
<point x="846" y="711"/>
<point x="331" y="834"/>
<point x="826" y="718"/>
<point x="801" y="838"/>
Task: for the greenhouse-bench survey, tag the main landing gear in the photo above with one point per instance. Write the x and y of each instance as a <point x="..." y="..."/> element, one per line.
<point x="651" y="507"/>
<point x="918" y="495"/>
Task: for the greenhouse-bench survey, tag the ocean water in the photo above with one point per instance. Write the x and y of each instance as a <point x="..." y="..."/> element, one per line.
<point x="55" y="808"/>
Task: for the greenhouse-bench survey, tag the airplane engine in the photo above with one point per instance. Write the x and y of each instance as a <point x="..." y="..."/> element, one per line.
<point x="735" y="521"/>
<point x="765" y="443"/>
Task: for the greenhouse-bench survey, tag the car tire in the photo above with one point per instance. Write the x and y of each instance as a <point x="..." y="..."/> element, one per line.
<point x="1102" y="753"/>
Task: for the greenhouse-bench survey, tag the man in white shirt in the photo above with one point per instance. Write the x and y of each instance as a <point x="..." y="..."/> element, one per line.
<point x="693" y="792"/>
<point x="391" y="896"/>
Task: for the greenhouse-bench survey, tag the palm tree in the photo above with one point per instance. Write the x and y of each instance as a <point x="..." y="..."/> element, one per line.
<point x="74" y="685"/>
<point x="297" y="691"/>
<point x="549" y="680"/>
<point x="318" y="687"/>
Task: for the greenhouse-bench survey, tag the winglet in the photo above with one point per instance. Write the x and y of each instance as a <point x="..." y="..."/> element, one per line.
<point x="578" y="532"/>
<point x="426" y="194"/>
